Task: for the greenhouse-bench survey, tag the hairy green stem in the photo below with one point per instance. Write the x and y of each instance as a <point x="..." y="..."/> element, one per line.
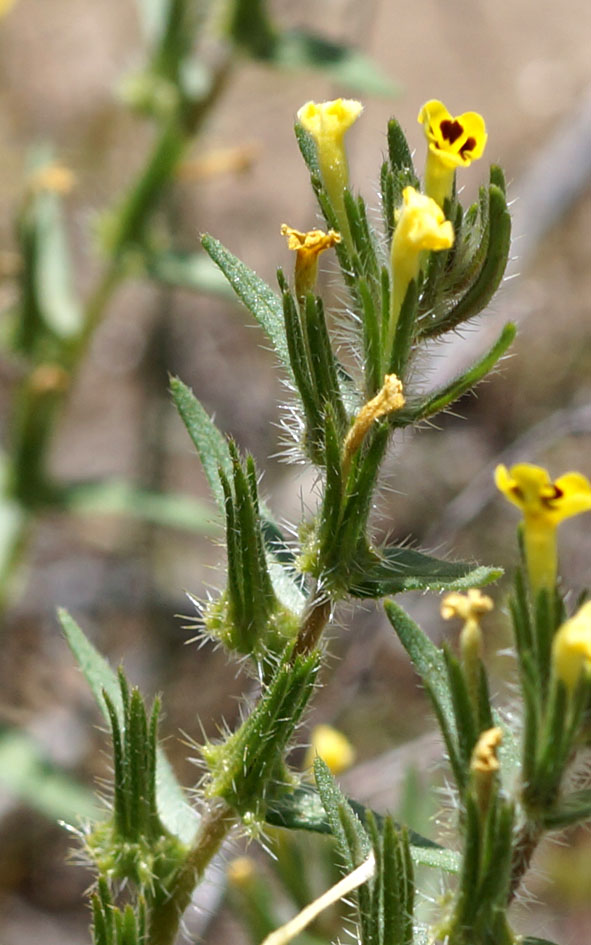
<point x="216" y="823"/>
<point x="314" y="621"/>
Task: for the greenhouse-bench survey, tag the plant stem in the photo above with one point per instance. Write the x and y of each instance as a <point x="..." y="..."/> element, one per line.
<point x="527" y="840"/>
<point x="216" y="822"/>
<point x="314" y="621"/>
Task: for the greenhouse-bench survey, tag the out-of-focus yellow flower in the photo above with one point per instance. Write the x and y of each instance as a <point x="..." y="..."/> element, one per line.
<point x="53" y="178"/>
<point x="308" y="247"/>
<point x="544" y="504"/>
<point x="571" y="648"/>
<point x="327" y="123"/>
<point x="453" y="142"/>
<point x="420" y="226"/>
<point x="6" y="6"/>
<point x="241" y="871"/>
<point x="335" y="750"/>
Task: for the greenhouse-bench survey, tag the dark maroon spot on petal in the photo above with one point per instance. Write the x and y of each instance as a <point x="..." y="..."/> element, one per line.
<point x="517" y="492"/>
<point x="451" y="130"/>
<point x="468" y="145"/>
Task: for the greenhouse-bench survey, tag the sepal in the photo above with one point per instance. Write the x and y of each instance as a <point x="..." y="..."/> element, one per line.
<point x="244" y="767"/>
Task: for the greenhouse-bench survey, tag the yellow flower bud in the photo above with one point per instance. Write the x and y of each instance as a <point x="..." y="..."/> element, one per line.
<point x="335" y="750"/>
<point x="327" y="123"/>
<point x="470" y="608"/>
<point x="420" y="226"/>
<point x="453" y="142"/>
<point x="544" y="505"/>
<point x="308" y="247"/>
<point x="484" y="765"/>
<point x="241" y="871"/>
<point x="571" y="648"/>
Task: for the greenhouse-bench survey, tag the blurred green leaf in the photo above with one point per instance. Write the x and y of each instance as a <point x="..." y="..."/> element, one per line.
<point x="571" y="809"/>
<point x="33" y="779"/>
<point x="299" y="49"/>
<point x="53" y="280"/>
<point x="192" y="271"/>
<point x="532" y="940"/>
<point x="402" y="569"/>
<point x="173" y="808"/>
<point x="303" y="810"/>
<point x="263" y="304"/>
<point x="117" y="497"/>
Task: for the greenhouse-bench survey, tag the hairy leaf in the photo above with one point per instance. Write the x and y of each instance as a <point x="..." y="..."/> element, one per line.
<point x="403" y="569"/>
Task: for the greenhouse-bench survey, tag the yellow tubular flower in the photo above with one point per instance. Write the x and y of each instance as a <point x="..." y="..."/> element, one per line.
<point x="544" y="505"/>
<point x="571" y="648"/>
<point x="327" y="123"/>
<point x="453" y="142"/>
<point x="420" y="226"/>
<point x="308" y="247"/>
<point x="335" y="750"/>
<point x="470" y="608"/>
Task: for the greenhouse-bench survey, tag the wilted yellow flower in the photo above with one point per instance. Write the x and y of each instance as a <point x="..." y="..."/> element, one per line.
<point x="470" y="606"/>
<point x="453" y="142"/>
<point x="335" y="750"/>
<point x="544" y="505"/>
<point x="571" y="648"/>
<point x="308" y="247"/>
<point x="388" y="399"/>
<point x="327" y="123"/>
<point x="420" y="226"/>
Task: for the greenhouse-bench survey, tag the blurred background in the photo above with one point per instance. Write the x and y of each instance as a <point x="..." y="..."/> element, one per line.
<point x="525" y="66"/>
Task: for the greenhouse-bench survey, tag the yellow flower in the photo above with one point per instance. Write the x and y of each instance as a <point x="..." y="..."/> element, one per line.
<point x="571" y="648"/>
<point x="335" y="750"/>
<point x="5" y="6"/>
<point x="470" y="608"/>
<point x="544" y="505"/>
<point x="453" y="142"/>
<point x="327" y="123"/>
<point x="388" y="399"/>
<point x="484" y="765"/>
<point x="420" y="226"/>
<point x="308" y="247"/>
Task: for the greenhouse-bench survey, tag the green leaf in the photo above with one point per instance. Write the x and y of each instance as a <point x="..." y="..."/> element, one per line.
<point x="172" y="804"/>
<point x="299" y="49"/>
<point x="303" y="810"/>
<point x="571" y="809"/>
<point x="439" y="399"/>
<point x="117" y="497"/>
<point x="427" y="658"/>
<point x="28" y="775"/>
<point x="263" y="304"/>
<point x="210" y="443"/>
<point x="214" y="453"/>
<point x="532" y="940"/>
<point x="192" y="271"/>
<point x="396" y="570"/>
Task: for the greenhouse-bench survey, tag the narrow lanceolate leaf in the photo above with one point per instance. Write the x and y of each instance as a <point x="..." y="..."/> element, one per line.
<point x="260" y="300"/>
<point x="438" y="400"/>
<point x="402" y="569"/>
<point x="214" y="453"/>
<point x="303" y="810"/>
<point x="210" y="443"/>
<point x="173" y="808"/>
<point x="427" y="659"/>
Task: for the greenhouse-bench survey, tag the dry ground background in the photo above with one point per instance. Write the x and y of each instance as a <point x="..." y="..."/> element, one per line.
<point x="526" y="65"/>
